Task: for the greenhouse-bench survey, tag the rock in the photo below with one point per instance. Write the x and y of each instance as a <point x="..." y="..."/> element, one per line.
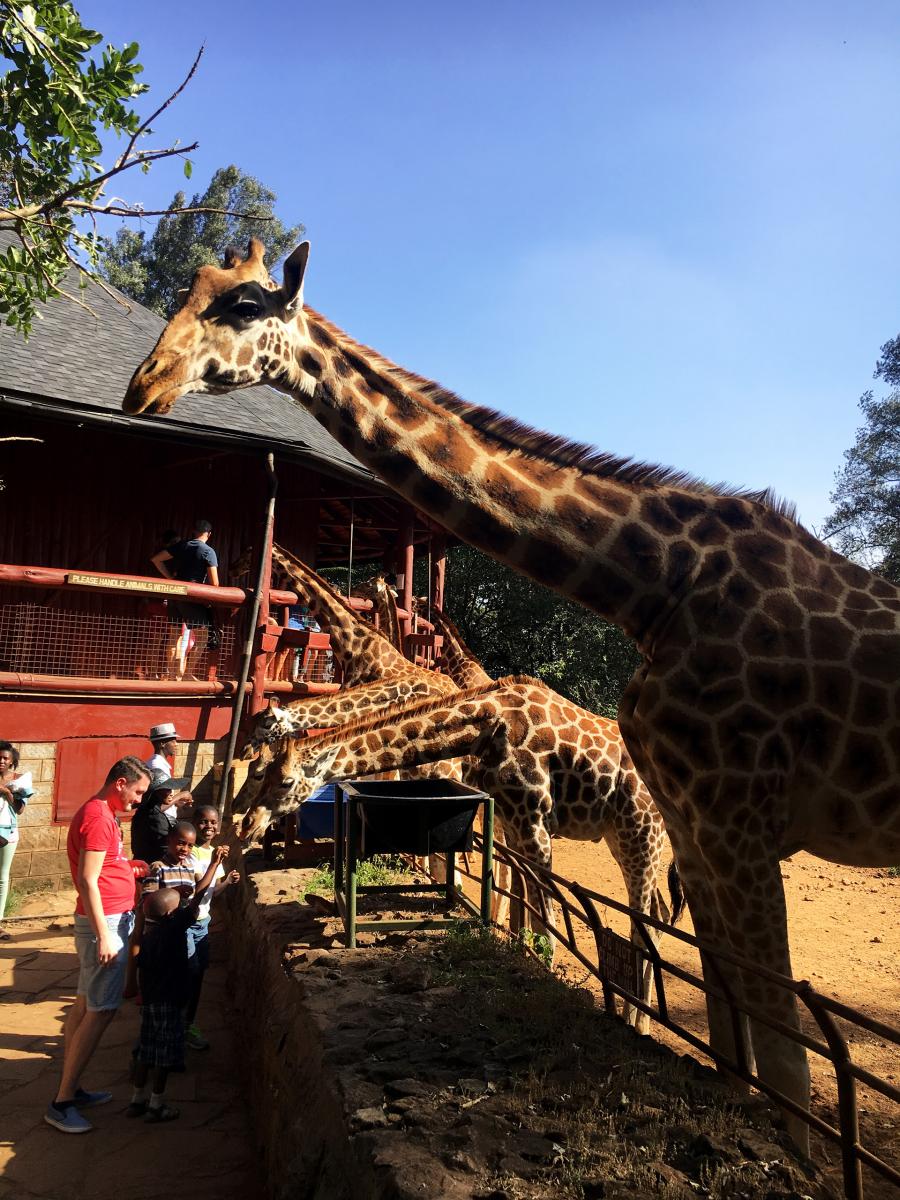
<point x="319" y="904"/>
<point x="411" y="977"/>
<point x="385" y="1037"/>
<point x="754" y="1145"/>
<point x="407" y="1087"/>
<point x="533" y="1147"/>
<point x="707" y="1145"/>
<point x="457" y="1160"/>
<point x="369" y="1118"/>
<point x="472" y="1087"/>
<point x="315" y="958"/>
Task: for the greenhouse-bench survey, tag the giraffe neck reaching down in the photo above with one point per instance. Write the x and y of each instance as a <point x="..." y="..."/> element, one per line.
<point x="363" y="653"/>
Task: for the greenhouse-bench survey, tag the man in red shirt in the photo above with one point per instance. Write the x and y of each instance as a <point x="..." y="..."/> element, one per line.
<point x="104" y="918"/>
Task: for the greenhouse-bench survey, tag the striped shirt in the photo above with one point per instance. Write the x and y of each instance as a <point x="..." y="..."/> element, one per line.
<point x="164" y="875"/>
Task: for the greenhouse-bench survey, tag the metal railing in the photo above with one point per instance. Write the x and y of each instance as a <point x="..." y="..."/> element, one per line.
<point x="618" y="965"/>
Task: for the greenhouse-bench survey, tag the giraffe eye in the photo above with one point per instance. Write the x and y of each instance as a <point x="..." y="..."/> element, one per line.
<point x="247" y="310"/>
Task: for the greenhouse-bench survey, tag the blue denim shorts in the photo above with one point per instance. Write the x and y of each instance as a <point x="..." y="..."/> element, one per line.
<point x="102" y="986"/>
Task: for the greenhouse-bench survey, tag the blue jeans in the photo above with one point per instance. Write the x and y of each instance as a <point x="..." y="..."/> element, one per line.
<point x="102" y="986"/>
<point x="198" y="961"/>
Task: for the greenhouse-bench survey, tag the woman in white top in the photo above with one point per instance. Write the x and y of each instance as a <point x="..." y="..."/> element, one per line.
<point x="14" y="792"/>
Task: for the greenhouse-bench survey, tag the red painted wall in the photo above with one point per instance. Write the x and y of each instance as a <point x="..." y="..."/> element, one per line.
<point x="82" y="765"/>
<point x="45" y="719"/>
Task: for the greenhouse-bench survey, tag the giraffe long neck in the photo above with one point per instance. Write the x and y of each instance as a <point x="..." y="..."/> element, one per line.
<point x="457" y="659"/>
<point x="613" y="544"/>
<point x="419" y="735"/>
<point x="362" y="652"/>
<point x="386" y="607"/>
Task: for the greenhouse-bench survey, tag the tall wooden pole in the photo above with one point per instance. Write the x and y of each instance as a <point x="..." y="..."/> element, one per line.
<point x="259" y="612"/>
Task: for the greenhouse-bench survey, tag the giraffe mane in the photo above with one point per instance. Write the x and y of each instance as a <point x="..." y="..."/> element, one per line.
<point x="336" y="595"/>
<point x="515" y="435"/>
<point x="389" y="715"/>
<point x="453" y="630"/>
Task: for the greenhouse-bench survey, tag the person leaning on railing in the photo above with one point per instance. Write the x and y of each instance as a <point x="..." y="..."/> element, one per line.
<point x="190" y="561"/>
<point x="15" y="790"/>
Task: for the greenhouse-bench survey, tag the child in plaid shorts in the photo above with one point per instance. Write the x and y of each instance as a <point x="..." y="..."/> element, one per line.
<point x="165" y="982"/>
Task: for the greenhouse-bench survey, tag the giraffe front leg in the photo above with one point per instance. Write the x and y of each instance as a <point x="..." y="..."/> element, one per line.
<point x="635" y="842"/>
<point x="533" y="842"/>
<point x="736" y="898"/>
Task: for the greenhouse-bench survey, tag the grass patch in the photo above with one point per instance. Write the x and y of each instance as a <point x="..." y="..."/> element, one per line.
<point x="14" y="898"/>
<point x="378" y="871"/>
<point x="894" y="872"/>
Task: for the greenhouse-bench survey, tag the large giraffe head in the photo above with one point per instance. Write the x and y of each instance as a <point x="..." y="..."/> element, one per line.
<point x="235" y="328"/>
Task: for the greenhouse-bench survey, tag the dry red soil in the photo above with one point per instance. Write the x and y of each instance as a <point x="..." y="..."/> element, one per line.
<point x="845" y="938"/>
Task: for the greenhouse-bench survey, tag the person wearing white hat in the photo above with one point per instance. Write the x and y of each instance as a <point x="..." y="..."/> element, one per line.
<point x="164" y="739"/>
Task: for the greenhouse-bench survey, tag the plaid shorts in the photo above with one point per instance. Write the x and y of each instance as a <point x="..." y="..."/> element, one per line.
<point x="161" y="1042"/>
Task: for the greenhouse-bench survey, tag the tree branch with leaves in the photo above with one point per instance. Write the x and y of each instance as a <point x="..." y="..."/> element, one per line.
<point x="57" y="94"/>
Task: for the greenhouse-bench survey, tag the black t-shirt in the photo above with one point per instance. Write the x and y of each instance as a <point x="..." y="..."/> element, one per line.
<point x="191" y="560"/>
<point x="164" y="973"/>
<point x="150" y="831"/>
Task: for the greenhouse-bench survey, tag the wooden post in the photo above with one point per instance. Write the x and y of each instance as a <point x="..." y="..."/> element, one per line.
<point x="438" y="570"/>
<point x="261" y="655"/>
<point x="405" y="564"/>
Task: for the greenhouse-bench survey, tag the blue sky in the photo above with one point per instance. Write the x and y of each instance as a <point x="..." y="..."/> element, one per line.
<point x="668" y="229"/>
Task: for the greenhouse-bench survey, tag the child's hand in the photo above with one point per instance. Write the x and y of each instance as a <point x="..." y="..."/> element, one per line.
<point x="220" y="854"/>
<point x="233" y="877"/>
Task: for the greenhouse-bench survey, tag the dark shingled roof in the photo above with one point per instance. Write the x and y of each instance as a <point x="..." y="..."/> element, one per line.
<point x="81" y="363"/>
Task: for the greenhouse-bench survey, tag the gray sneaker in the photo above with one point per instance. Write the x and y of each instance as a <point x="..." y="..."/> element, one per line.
<point x="67" y="1119"/>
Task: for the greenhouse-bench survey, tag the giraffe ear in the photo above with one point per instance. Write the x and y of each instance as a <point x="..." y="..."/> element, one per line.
<point x="294" y="270"/>
<point x="231" y="259"/>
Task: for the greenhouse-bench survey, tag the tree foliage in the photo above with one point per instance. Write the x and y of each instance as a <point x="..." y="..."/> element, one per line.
<point x="58" y="95"/>
<point x="518" y="627"/>
<point x="151" y="269"/>
<point x="865" y="523"/>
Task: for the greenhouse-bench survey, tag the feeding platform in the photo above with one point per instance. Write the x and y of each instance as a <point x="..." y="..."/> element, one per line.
<point x="409" y="816"/>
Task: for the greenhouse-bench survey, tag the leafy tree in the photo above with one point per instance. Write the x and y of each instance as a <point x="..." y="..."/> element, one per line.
<point x="518" y="627"/>
<point x="57" y="95"/>
<point x="865" y="523"/>
<point x="152" y="269"/>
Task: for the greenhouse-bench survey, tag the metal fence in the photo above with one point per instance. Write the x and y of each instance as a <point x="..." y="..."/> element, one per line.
<point x="618" y="965"/>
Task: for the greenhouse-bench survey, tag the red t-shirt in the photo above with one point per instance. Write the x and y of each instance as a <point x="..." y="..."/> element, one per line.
<point x="95" y="828"/>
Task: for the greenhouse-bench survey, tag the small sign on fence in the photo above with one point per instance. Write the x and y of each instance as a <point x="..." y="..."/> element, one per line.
<point x="147" y="586"/>
<point x="620" y="961"/>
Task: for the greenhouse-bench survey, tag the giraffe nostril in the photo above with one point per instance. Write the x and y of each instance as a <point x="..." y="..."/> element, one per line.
<point x="152" y="365"/>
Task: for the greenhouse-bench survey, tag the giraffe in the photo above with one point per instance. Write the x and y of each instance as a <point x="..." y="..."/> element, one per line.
<point x="553" y="768"/>
<point x="456" y="658"/>
<point x="763" y="717"/>
<point x="384" y="604"/>
<point x="375" y="673"/>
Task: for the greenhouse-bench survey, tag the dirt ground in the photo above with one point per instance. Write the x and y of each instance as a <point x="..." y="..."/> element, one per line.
<point x="209" y="1148"/>
<point x="845" y="938"/>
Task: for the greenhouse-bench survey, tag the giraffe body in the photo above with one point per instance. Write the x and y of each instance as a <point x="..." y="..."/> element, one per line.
<point x="553" y="769"/>
<point x="764" y="718"/>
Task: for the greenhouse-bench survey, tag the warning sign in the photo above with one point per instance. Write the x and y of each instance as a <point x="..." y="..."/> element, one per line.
<point x="148" y="587"/>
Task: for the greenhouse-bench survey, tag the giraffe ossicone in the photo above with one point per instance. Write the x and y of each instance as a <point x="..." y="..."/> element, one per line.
<point x="765" y="718"/>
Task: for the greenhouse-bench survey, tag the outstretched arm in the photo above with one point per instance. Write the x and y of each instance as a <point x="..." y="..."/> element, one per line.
<point x="159" y="561"/>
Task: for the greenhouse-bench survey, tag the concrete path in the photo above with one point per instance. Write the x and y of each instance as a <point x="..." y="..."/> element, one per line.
<point x="206" y="1154"/>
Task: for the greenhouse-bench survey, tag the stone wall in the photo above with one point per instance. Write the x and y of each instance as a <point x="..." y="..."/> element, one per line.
<point x="41" y="862"/>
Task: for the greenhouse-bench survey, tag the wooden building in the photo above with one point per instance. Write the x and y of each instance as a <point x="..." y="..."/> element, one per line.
<point x="83" y="617"/>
